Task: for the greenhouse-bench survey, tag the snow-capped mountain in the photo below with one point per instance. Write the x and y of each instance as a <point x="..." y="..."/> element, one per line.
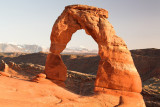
<point x="78" y="50"/>
<point x="7" y="47"/>
<point x="4" y="47"/>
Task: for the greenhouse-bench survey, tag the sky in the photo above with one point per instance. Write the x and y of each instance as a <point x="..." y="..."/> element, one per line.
<point x="137" y="22"/>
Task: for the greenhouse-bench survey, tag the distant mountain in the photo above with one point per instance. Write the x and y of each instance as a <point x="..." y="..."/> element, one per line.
<point x="78" y="50"/>
<point x="4" y="47"/>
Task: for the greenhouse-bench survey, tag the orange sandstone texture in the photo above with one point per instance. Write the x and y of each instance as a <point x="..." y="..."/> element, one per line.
<point x="4" y="74"/>
<point x="39" y="77"/>
<point x="19" y="93"/>
<point x="116" y="68"/>
<point x="3" y="66"/>
<point x="55" y="68"/>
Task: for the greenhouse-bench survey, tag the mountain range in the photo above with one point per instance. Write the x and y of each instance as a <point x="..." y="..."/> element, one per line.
<point x="25" y="48"/>
<point x="4" y="47"/>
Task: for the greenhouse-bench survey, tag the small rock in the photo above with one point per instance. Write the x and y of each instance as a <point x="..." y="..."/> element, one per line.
<point x="41" y="75"/>
<point x="4" y="74"/>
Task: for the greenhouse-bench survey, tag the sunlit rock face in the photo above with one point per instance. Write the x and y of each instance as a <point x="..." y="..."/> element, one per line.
<point x="116" y="68"/>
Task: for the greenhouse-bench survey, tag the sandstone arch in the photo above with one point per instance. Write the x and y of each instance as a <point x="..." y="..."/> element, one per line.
<point x="116" y="68"/>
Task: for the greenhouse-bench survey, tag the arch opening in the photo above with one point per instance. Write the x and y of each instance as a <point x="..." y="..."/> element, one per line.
<point x="116" y="69"/>
<point x="80" y="39"/>
<point x="81" y="59"/>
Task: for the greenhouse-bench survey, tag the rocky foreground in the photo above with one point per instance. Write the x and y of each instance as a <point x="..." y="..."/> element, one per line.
<point x="27" y="66"/>
<point x="41" y="92"/>
<point x="18" y="93"/>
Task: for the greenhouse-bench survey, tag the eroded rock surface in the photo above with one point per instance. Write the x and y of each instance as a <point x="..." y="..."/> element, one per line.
<point x="25" y="71"/>
<point x="116" y="68"/>
<point x="116" y="74"/>
<point x="80" y="83"/>
<point x="3" y="66"/>
<point x="18" y="93"/>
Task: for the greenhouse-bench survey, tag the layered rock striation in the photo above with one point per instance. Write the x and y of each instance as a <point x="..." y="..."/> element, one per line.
<point x="116" y="67"/>
<point x="116" y="74"/>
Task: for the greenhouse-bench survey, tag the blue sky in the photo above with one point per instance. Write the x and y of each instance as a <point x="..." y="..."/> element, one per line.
<point x="31" y="21"/>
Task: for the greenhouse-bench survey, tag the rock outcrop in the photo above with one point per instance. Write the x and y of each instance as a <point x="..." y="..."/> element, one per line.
<point x="116" y="68"/>
<point x="116" y="74"/>
<point x="39" y="77"/>
<point x="151" y="92"/>
<point x="82" y="84"/>
<point x="4" y="74"/>
<point x="19" y="93"/>
<point x="25" y="71"/>
<point x="3" y="66"/>
<point x="4" y="69"/>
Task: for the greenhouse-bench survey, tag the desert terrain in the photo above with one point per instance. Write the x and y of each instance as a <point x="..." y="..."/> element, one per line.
<point x="81" y="76"/>
<point x="96" y="70"/>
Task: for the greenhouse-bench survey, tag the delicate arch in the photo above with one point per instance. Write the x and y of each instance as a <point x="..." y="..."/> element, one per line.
<point x="116" y="68"/>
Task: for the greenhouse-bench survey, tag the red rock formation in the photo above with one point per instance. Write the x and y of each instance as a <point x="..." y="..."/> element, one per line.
<point x="116" y="67"/>
<point x="39" y="77"/>
<point x="19" y="93"/>
<point x="3" y="66"/>
<point x="55" y="68"/>
<point x="4" y="74"/>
